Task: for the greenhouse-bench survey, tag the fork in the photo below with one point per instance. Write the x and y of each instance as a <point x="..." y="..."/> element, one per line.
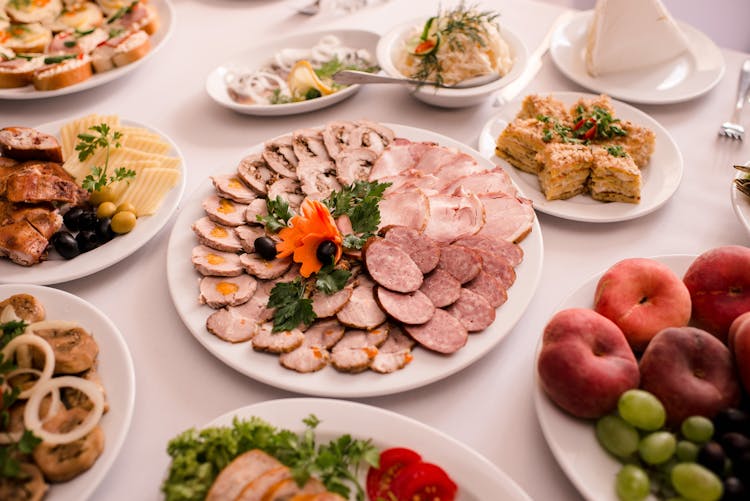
<point x="311" y="9"/>
<point x="732" y="129"/>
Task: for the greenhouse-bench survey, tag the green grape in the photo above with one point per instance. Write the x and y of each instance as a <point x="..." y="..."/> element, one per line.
<point x="632" y="483"/>
<point x="657" y="447"/>
<point x="696" y="483"/>
<point x="642" y="409"/>
<point x="697" y="429"/>
<point x="617" y="436"/>
<point x="686" y="451"/>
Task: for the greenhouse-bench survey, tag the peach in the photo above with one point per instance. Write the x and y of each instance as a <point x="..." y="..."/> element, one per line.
<point x="739" y="346"/>
<point x="642" y="297"/>
<point x="719" y="285"/>
<point x="585" y="363"/>
<point x="691" y="372"/>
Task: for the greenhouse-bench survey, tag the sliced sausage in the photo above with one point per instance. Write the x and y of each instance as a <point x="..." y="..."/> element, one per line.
<point x="230" y="186"/>
<point x="498" y="267"/>
<point x="362" y="311"/>
<point x="441" y="288"/>
<point x="224" y="211"/>
<point x="209" y="261"/>
<point x="443" y="333"/>
<point x="409" y="308"/>
<point x="390" y="266"/>
<point x="25" y="143"/>
<point x="241" y="471"/>
<point x="473" y="311"/>
<point x="261" y="268"/>
<point x="218" y="292"/>
<point x="423" y="250"/>
<point x="394" y="353"/>
<point x="276" y="342"/>
<point x="489" y="288"/>
<point x="255" y="172"/>
<point x="462" y="263"/>
<point x="215" y="235"/>
<point x="510" y="251"/>
<point x="327" y="305"/>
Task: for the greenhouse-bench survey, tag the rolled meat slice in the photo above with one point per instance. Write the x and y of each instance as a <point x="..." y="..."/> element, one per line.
<point x="443" y="333"/>
<point x="261" y="268"/>
<point x="423" y="250"/>
<point x="390" y="266"/>
<point x="395" y="353"/>
<point x="280" y="156"/>
<point x="509" y="218"/>
<point x="327" y="305"/>
<point x="248" y="234"/>
<point x="462" y="263"/>
<point x="473" y="311"/>
<point x="489" y="288"/>
<point x="216" y="236"/>
<point x="441" y="288"/>
<point x="288" y="189"/>
<point x="408" y="308"/>
<point x="354" y="164"/>
<point x="218" y="292"/>
<point x="409" y="208"/>
<point x="224" y="211"/>
<point x="256" y="208"/>
<point x="510" y="251"/>
<point x="371" y="135"/>
<point x="308" y="144"/>
<point x="362" y="311"/>
<point x="336" y="137"/>
<point x="256" y="173"/>
<point x="276" y="342"/>
<point x="454" y="216"/>
<point x="317" y="177"/>
<point x="209" y="261"/>
<point x="356" y="350"/>
<point x="240" y="323"/>
<point x="230" y="186"/>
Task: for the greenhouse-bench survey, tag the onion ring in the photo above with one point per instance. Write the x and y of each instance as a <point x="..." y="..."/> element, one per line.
<point x="38" y="342"/>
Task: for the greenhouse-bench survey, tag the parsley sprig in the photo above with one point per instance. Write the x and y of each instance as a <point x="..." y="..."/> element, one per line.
<point x="278" y="215"/>
<point x="359" y="201"/>
<point x="293" y="307"/>
<point x="106" y="138"/>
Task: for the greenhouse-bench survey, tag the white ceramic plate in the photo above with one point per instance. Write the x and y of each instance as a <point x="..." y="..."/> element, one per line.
<point x="683" y="78"/>
<point x="741" y="203"/>
<point x="158" y="39"/>
<point x="426" y="368"/>
<point x="115" y="369"/>
<point x="660" y="178"/>
<point x="392" y="42"/>
<point x="572" y="440"/>
<point x="476" y="477"/>
<point x="56" y="269"/>
<point x="258" y="56"/>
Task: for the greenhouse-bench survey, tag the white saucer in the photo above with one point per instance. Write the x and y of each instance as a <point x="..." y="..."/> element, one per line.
<point x="683" y="78"/>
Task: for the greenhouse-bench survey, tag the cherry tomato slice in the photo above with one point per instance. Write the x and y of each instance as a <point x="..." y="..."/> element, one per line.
<point x="423" y="482"/>
<point x="391" y="462"/>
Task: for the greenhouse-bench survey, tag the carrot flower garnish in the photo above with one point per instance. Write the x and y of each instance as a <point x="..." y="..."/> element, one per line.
<point x="305" y="233"/>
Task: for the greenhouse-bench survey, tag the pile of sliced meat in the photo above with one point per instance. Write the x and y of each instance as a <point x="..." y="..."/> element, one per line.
<point x="442" y="264"/>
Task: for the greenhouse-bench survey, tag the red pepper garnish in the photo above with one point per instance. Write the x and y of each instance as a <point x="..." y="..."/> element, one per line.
<point x="80" y="55"/>
<point x="579" y="124"/>
<point x="591" y="133"/>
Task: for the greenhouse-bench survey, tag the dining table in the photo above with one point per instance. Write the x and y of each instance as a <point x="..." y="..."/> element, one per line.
<point x="489" y="405"/>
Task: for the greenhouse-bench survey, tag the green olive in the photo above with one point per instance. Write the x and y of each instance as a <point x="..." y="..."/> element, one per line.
<point x="123" y="222"/>
<point x="101" y="196"/>
<point x="106" y="209"/>
<point x="126" y="207"/>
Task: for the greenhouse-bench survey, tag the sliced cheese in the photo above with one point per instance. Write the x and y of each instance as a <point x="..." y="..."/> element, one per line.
<point x="69" y="132"/>
<point x="629" y="34"/>
<point x="148" y="189"/>
<point x="118" y="188"/>
<point x="145" y="144"/>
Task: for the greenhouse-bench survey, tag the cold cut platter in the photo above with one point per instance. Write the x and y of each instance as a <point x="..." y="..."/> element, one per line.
<point x="435" y="284"/>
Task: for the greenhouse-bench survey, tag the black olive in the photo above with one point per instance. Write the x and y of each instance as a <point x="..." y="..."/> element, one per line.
<point x="711" y="455"/>
<point x="734" y="490"/>
<point x="326" y="251"/>
<point x="87" y="221"/>
<point x="266" y="247"/>
<point x="87" y="241"/>
<point x="71" y="218"/>
<point x="735" y="443"/>
<point x="103" y="230"/>
<point x="65" y="244"/>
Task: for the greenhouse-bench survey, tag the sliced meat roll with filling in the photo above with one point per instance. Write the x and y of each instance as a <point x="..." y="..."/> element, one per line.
<point x="216" y="236"/>
<point x="256" y="173"/>
<point x="356" y="350"/>
<point x="362" y="311"/>
<point x="261" y="268"/>
<point x="288" y="189"/>
<point x="395" y="353"/>
<point x="248" y="234"/>
<point x="408" y="308"/>
<point x="230" y="186"/>
<point x="441" y="288"/>
<point x="510" y="251"/>
<point x="210" y="262"/>
<point x="424" y="251"/>
<point x="255" y="209"/>
<point x="510" y="218"/>
<point x="317" y="177"/>
<point x="354" y="164"/>
<point x="336" y="137"/>
<point x="390" y="266"/>
<point x="224" y="211"/>
<point x="308" y="144"/>
<point x="489" y="288"/>
<point x="473" y="311"/>
<point x="410" y="208"/>
<point x="371" y="135"/>
<point x="462" y="263"/>
<point x="240" y="323"/>
<point x="218" y="292"/>
<point x="327" y="305"/>
<point x="443" y="333"/>
<point x="313" y="355"/>
<point x="280" y="156"/>
<point x="276" y="342"/>
<point x="454" y="216"/>
<point x="241" y="471"/>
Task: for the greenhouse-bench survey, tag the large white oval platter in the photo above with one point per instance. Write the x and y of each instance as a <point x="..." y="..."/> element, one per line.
<point x="426" y="368"/>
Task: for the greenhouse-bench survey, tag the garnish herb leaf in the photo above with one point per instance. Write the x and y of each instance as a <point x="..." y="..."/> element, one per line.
<point x="87" y="145"/>
<point x="292" y="307"/>
<point x="278" y="215"/>
<point x="359" y="201"/>
<point x="329" y="279"/>
<point x="616" y="151"/>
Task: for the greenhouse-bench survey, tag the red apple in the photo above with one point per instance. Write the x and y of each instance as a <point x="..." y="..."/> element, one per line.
<point x="739" y="345"/>
<point x="691" y="372"/>
<point x="642" y="297"/>
<point x="585" y="363"/>
<point x="719" y="285"/>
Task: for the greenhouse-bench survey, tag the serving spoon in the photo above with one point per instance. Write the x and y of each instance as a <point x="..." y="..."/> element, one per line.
<point x="349" y="77"/>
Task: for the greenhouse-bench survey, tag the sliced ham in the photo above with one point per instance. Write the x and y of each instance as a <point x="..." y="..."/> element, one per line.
<point x="409" y="308"/>
<point x="510" y="251"/>
<point x="261" y="268"/>
<point x="336" y="137"/>
<point x="454" y="216"/>
<point x="409" y="208"/>
<point x="443" y="333"/>
<point x="255" y="209"/>
<point x="356" y="350"/>
<point x="496" y="181"/>
<point x="224" y="211"/>
<point x="218" y="292"/>
<point x="423" y="250"/>
<point x="354" y="164"/>
<point x="231" y="186"/>
<point x="288" y="189"/>
<point x="390" y="266"/>
<point x="434" y="158"/>
<point x="401" y="155"/>
<point x="441" y="288"/>
<point x="216" y="236"/>
<point x="248" y="234"/>
<point x="462" y="263"/>
<point x="395" y="353"/>
<point x="489" y="288"/>
<point x="510" y="218"/>
<point x="256" y="173"/>
<point x="276" y="342"/>
<point x="473" y="311"/>
<point x="362" y="311"/>
<point x="237" y="474"/>
<point x="460" y="166"/>
<point x="209" y="261"/>
<point x="327" y="305"/>
<point x="412" y="180"/>
<point x="280" y="156"/>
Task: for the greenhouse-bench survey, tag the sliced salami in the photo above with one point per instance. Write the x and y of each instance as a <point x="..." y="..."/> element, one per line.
<point x="391" y="267"/>
<point x="362" y="311"/>
<point x="409" y="308"/>
<point x="510" y="251"/>
<point x="441" y="288"/>
<point x="218" y="292"/>
<point x="462" y="263"/>
<point x="473" y="311"/>
<point x="443" y="333"/>
<point x="394" y="353"/>
<point x="489" y="288"/>
<point x="498" y="267"/>
<point x="423" y="250"/>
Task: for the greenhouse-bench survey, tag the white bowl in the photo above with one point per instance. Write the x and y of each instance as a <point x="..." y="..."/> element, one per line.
<point x="390" y="44"/>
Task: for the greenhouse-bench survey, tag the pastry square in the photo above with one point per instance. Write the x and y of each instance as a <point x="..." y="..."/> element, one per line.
<point x="566" y="170"/>
<point x="638" y="142"/>
<point x="614" y="176"/>
<point x="535" y="106"/>
<point x="520" y="142"/>
<point x="586" y="106"/>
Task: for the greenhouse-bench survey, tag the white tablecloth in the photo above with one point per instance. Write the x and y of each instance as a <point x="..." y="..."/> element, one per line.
<point x="489" y="405"/>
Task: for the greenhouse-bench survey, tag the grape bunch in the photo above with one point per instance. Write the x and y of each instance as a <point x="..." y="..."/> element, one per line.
<point x="702" y="461"/>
